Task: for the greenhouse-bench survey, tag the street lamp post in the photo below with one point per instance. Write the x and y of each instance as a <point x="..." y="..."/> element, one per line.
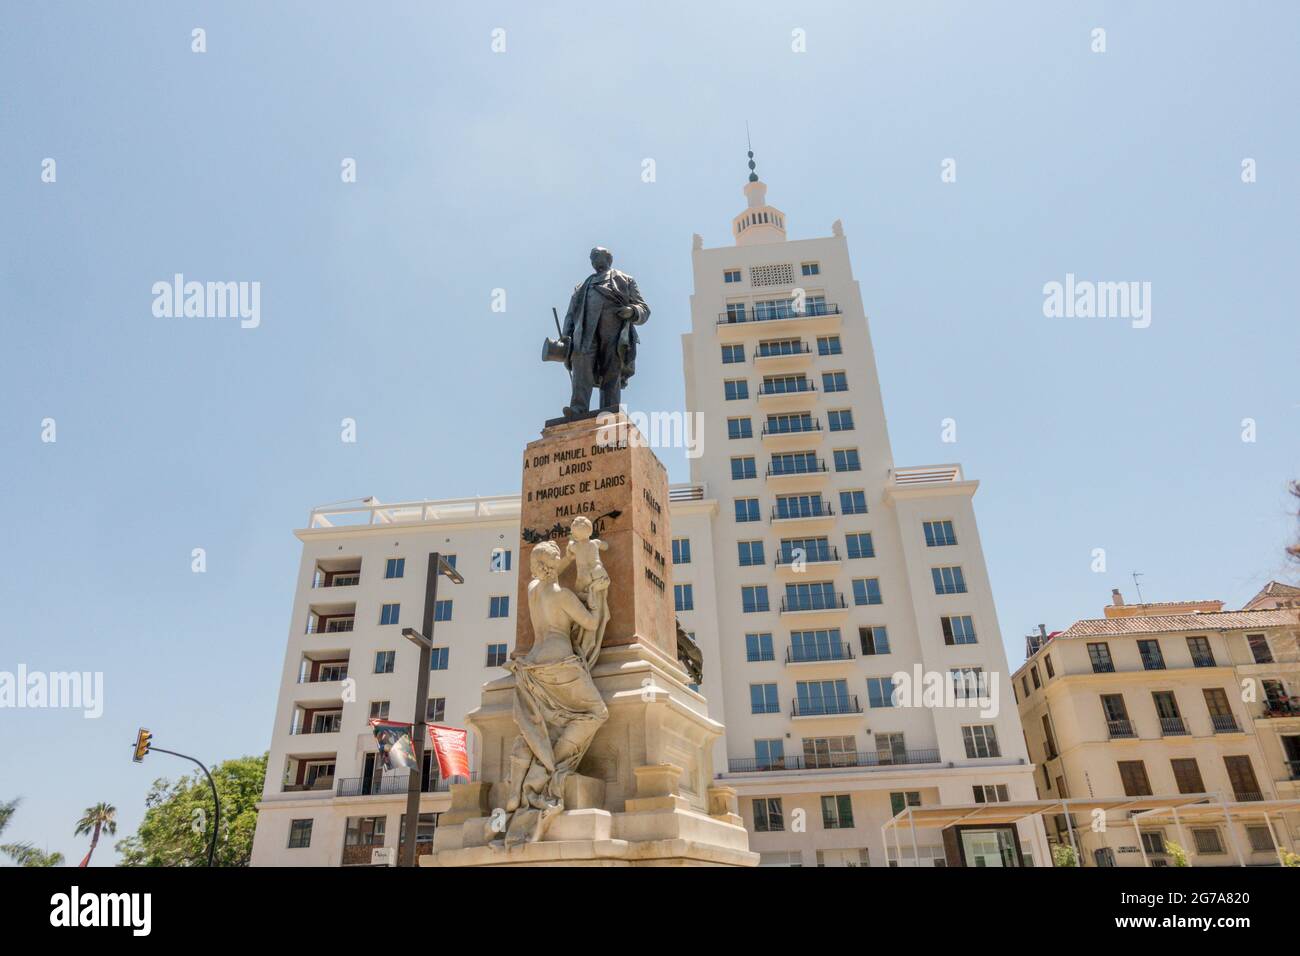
<point x="423" y="639"/>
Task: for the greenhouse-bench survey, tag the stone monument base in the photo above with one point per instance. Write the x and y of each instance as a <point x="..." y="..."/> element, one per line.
<point x="643" y="795"/>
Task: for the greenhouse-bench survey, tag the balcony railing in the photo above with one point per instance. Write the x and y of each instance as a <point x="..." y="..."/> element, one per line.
<point x="813" y="467"/>
<point x="812" y="310"/>
<point x="831" y="761"/>
<point x="1172" y="726"/>
<point x="1152" y="663"/>
<point x="332" y="626"/>
<point x="812" y="655"/>
<point x="811" y="555"/>
<point x="825" y="708"/>
<point x="801" y="348"/>
<point x="388" y="784"/>
<point x="1248" y="797"/>
<point x="802" y="428"/>
<point x="1282" y="707"/>
<point x="1103" y="667"/>
<point x="1202" y="660"/>
<point x="816" y="602"/>
<point x="1225" y="724"/>
<point x="797" y="387"/>
<point x="794" y="514"/>
<point x="319" y="785"/>
<point x="345" y="580"/>
<point x="1120" y="729"/>
<point x="324" y="678"/>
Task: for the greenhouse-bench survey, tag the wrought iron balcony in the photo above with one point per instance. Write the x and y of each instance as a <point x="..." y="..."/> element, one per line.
<point x="831" y="761"/>
<point x="802" y="428"/>
<point x="1203" y="660"/>
<point x="826" y="708"/>
<point x="812" y="467"/>
<point x="1120" y="729"/>
<point x="794" y="514"/>
<point x="786" y="349"/>
<point x="1282" y="707"/>
<point x="1103" y="667"/>
<point x="768" y="315"/>
<point x="841" y="651"/>
<point x="799" y="386"/>
<point x="814" y="602"/>
<point x="1225" y="724"/>
<point x="828" y="552"/>
<point x="1172" y="726"/>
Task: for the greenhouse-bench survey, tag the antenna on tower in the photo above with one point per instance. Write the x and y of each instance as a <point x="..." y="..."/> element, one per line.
<point x="749" y="144"/>
<point x="1136" y="575"/>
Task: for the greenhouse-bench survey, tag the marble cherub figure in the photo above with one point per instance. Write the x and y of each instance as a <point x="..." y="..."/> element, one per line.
<point x="584" y="551"/>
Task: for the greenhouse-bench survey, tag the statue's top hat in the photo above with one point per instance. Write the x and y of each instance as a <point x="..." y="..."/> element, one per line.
<point x="555" y="350"/>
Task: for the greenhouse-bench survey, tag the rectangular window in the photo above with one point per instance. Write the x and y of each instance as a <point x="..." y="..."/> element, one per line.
<point x="753" y="598"/>
<point x="834" y="382"/>
<point x="395" y="568"/>
<point x="735" y="389"/>
<point x="758" y="647"/>
<point x="875" y="640"/>
<point x="681" y="550"/>
<point x="733" y="354"/>
<point x="880" y="691"/>
<point x="828" y="345"/>
<point x="496" y="655"/>
<point x="768" y="817"/>
<point x="299" y="834"/>
<point x="823" y="644"/>
<point x="981" y="740"/>
<point x="499" y="606"/>
<point x="1133" y="777"/>
<point x="1199" y="648"/>
<point x="866" y="591"/>
<point x="442" y="610"/>
<point x="790" y="424"/>
<point x="840" y="419"/>
<point x="1187" y="775"/>
<point x="901" y="800"/>
<point x="859" y="545"/>
<point x="853" y="502"/>
<point x="960" y="629"/>
<point x="384" y="661"/>
<point x="810" y="269"/>
<point x="819" y="752"/>
<point x="763" y="699"/>
<point x="939" y="534"/>
<point x="837" y="812"/>
<point x="743" y="467"/>
<point x="739" y="428"/>
<point x="435" y="709"/>
<point x="813" y="596"/>
<point x="747" y="509"/>
<point x="1261" y="839"/>
<point x="1152" y="659"/>
<point x="1099" y="655"/>
<point x="1153" y="841"/>
<point x="819" y="697"/>
<point x="1051" y="671"/>
<point x="1259" y="648"/>
<point x="379" y="709"/>
<point x="388" y="613"/>
<point x="499" y="560"/>
<point x="1207" y="840"/>
<point x="751" y="553"/>
<point x="731" y="275"/>
<point x="948" y="580"/>
<point x="990" y="793"/>
<point x="846" y="459"/>
<point x="806" y="549"/>
<point x="1241" y="775"/>
<point x="1033" y="672"/>
<point x="799" y="506"/>
<point x="684" y="597"/>
<point x="438" y="658"/>
<point x="769" y="754"/>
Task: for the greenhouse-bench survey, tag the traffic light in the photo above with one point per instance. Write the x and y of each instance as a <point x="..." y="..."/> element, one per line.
<point x="142" y="740"/>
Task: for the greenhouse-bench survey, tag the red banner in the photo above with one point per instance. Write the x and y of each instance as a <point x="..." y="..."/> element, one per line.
<point x="450" y="744"/>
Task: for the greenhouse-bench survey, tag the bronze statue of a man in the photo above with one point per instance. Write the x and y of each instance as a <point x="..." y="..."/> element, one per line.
<point x="601" y="336"/>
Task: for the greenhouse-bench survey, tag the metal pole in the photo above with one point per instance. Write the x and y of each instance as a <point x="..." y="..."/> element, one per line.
<point x="408" y="856"/>
<point x="911" y="825"/>
<point x="1182" y="837"/>
<point x="1232" y="833"/>
<point x="1069" y="828"/>
<point x="216" y="801"/>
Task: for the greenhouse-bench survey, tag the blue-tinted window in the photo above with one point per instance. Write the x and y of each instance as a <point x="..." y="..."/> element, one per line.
<point x="880" y="691"/>
<point x="859" y="545"/>
<point x="744" y="467"/>
<point x="388" y="613"/>
<point x="828" y="345"/>
<point x="438" y="658"/>
<point x="853" y="502"/>
<point x="684" y="597"/>
<point x="846" y="459"/>
<point x="740" y="428"/>
<point x="395" y="568"/>
<point x="758" y="647"/>
<point x="754" y="598"/>
<point x="866" y="591"/>
<point x="948" y="580"/>
<point x="499" y="606"/>
<point x="442" y="610"/>
<point x="731" y="354"/>
<point x="751" y="553"/>
<point x="763" y="699"/>
<point x="681" y="550"/>
<point x="835" y="382"/>
<point x="747" y="509"/>
<point x="840" y="420"/>
<point x="939" y="534"/>
<point x="735" y="389"/>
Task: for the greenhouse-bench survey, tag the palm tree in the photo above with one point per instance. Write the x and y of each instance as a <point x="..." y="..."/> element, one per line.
<point x="102" y="816"/>
<point x="7" y="811"/>
<point x="25" y="854"/>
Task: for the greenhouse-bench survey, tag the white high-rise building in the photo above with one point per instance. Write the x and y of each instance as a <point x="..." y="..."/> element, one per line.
<point x="809" y="568"/>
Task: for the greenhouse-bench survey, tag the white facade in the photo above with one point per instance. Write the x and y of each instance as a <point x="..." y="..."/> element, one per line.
<point x="808" y="747"/>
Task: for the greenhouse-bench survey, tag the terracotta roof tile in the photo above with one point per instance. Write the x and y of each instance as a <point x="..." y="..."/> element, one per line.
<point x="1209" y="621"/>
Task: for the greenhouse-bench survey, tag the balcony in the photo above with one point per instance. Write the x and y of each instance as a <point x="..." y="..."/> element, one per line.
<point x="390" y="784"/>
<point x="1282" y="707"/>
<point x="1249" y="796"/>
<point x="814" y="603"/>
<point x="818" y="316"/>
<point x="1225" y="724"/>
<point x="791" y="434"/>
<point x="1120" y="729"/>
<point x="1103" y="667"/>
<point x="831" y="761"/>
<point x="834" y="707"/>
<point x="784" y="357"/>
<point x="791" y="396"/>
<point x="1173" y="727"/>
<point x="819" y="655"/>
<point x="787" y="561"/>
<point x="810" y="516"/>
<point x="321" y="787"/>
<point x="1203" y="660"/>
<point x="810" y="473"/>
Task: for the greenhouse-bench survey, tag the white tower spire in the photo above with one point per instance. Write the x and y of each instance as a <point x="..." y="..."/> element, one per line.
<point x="759" y="223"/>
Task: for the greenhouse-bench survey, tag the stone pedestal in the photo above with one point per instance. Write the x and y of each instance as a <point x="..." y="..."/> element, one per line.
<point x="643" y="795"/>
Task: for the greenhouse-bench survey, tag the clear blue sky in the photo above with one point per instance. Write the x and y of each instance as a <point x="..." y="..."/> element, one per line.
<point x="479" y="170"/>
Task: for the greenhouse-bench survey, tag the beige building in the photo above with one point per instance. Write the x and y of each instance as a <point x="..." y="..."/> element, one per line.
<point x="826" y="586"/>
<point x="1170" y="700"/>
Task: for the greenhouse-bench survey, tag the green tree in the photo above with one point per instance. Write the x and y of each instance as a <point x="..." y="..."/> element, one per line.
<point x="1177" y="855"/>
<point x="1063" y="855"/>
<point x="24" y="854"/>
<point x="102" y="816"/>
<point x="177" y="818"/>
